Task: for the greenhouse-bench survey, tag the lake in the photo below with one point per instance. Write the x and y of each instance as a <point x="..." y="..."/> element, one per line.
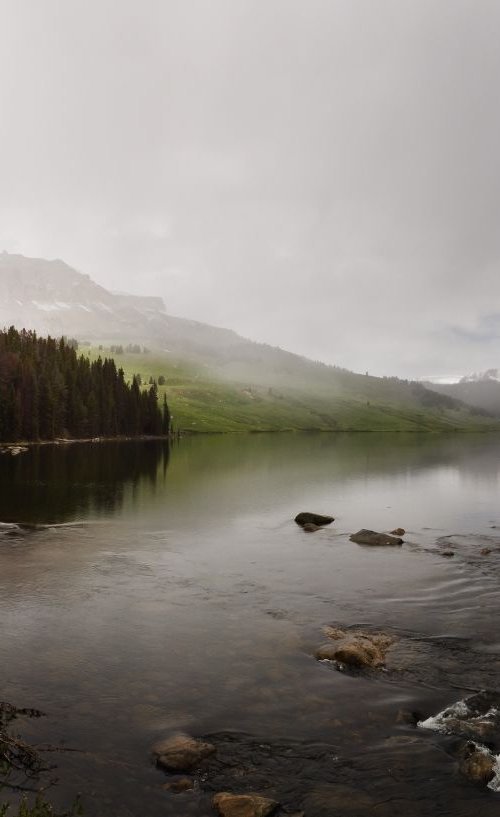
<point x="154" y="590"/>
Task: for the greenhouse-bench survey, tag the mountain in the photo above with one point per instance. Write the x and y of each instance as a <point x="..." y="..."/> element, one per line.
<point x="215" y="379"/>
<point x="51" y="297"/>
<point x="480" y="390"/>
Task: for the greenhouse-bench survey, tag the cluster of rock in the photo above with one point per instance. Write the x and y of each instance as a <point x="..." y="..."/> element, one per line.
<point x="476" y="720"/>
<point x="184" y="754"/>
<point x="474" y="724"/>
<point x="311" y="522"/>
<point x="354" y="648"/>
<point x="472" y="548"/>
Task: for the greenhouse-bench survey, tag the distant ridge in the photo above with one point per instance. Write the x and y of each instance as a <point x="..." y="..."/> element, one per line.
<point x="480" y="390"/>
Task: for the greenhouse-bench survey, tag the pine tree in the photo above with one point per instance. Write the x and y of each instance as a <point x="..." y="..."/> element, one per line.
<point x="47" y="390"/>
<point x="165" y="417"/>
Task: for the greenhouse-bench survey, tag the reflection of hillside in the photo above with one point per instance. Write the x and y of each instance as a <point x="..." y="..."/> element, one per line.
<point x="65" y="483"/>
<point x="243" y="469"/>
<point x="61" y="483"/>
<point x="310" y="457"/>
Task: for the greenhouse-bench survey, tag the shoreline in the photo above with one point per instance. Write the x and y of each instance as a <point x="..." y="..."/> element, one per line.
<point x="20" y="446"/>
<point x="23" y="445"/>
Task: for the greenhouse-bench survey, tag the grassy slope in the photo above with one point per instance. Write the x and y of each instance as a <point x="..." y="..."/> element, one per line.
<point x="322" y="398"/>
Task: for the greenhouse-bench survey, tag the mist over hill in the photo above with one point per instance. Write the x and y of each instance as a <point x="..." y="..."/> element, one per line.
<point x="269" y="388"/>
<point x="479" y="389"/>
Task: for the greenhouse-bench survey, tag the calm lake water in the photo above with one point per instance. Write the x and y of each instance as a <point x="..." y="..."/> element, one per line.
<point x="157" y="591"/>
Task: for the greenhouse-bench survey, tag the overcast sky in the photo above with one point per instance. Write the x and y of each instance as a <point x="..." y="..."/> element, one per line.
<point x="323" y="175"/>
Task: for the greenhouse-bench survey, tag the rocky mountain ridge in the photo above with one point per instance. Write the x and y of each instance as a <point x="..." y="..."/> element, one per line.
<point x="53" y="298"/>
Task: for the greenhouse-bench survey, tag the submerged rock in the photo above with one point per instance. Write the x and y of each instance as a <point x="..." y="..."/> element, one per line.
<point x="398" y="532"/>
<point x="448" y="553"/>
<point x="310" y="527"/>
<point x="181" y="753"/>
<point x="472" y="548"/>
<point x="359" y="653"/>
<point x="335" y="633"/>
<point x="327" y="652"/>
<point x="371" y="537"/>
<point x="179" y="785"/>
<point x="243" y="805"/>
<point x="477" y="764"/>
<point x="406" y="717"/>
<point x="356" y="648"/>
<point x="476" y="718"/>
<point x="305" y="518"/>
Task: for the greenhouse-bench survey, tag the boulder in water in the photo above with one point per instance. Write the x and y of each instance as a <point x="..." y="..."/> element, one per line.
<point x="181" y="753"/>
<point x="371" y="537"/>
<point x="478" y="764"/>
<point x="179" y="785"/>
<point x="476" y="718"/>
<point x="305" y="518"/>
<point x="357" y="648"/>
<point x="243" y="805"/>
<point x="310" y="527"/>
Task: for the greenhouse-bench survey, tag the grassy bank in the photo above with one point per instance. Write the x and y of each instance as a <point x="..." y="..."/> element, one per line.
<point x="204" y="399"/>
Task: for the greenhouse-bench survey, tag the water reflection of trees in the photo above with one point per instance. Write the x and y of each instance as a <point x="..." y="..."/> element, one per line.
<point x="52" y="484"/>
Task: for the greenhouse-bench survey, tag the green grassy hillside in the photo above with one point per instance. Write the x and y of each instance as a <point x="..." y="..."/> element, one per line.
<point x="306" y="396"/>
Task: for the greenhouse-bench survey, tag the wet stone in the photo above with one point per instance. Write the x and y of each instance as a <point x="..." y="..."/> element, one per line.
<point x="179" y="785"/>
<point x="371" y="537"/>
<point x="181" y="753"/>
<point x="305" y="518"/>
<point x="243" y="805"/>
<point x="472" y="549"/>
<point x="355" y="648"/>
<point x="326" y="652"/>
<point x="475" y="718"/>
<point x="477" y="764"/>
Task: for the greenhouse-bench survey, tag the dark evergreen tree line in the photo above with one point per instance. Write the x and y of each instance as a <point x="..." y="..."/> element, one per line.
<point x="47" y="390"/>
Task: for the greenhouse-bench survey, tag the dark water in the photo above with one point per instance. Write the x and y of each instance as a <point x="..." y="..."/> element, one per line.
<point x="171" y="591"/>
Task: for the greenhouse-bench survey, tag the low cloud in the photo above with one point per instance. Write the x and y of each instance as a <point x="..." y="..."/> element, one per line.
<point x="320" y="176"/>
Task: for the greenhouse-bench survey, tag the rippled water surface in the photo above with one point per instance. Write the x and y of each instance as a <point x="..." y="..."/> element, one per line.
<point x="153" y="591"/>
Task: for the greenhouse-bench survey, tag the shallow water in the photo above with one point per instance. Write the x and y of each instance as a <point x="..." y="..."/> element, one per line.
<point x="153" y="591"/>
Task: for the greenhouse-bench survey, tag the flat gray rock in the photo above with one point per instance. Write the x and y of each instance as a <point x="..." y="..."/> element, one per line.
<point x="371" y="537"/>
